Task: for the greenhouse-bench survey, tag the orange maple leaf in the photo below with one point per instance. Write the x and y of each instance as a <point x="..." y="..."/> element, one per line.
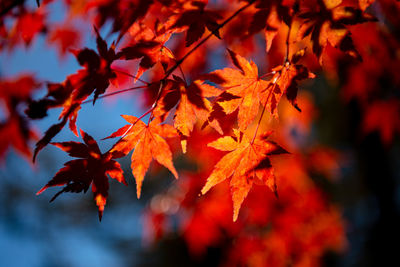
<point x="248" y="160"/>
<point x="149" y="47"/>
<point x="91" y="168"/>
<point x="147" y="142"/>
<point x="285" y="81"/>
<point x="242" y="89"/>
<point x="192" y="103"/>
<point x="245" y="90"/>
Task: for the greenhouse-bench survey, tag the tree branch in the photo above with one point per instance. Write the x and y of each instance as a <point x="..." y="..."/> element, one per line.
<point x="180" y="61"/>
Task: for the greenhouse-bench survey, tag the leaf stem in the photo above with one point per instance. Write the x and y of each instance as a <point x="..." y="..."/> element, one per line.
<point x="259" y="122"/>
<point x="287" y="44"/>
<point x="266" y="74"/>
<point x="263" y="110"/>
<point x="130" y="127"/>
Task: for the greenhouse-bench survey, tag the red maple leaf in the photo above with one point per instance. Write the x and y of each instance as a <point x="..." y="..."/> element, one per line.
<point x="91" y="168"/>
<point x="270" y="16"/>
<point x="196" y="19"/>
<point x="95" y="77"/>
<point x="28" y="26"/>
<point x="328" y="25"/>
<point x="65" y="37"/>
<point x="14" y="128"/>
<point x="149" y="46"/>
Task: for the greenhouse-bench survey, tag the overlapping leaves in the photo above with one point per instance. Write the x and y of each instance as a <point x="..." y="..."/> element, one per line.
<point x="329" y="25"/>
<point x="245" y="90"/>
<point x="241" y="90"/>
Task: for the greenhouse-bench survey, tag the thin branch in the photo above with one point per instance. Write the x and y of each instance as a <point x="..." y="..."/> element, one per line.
<point x="116" y="93"/>
<point x="267" y="74"/>
<point x="263" y="110"/>
<point x="174" y="67"/>
<point x="133" y="124"/>
<point x="132" y="76"/>
<point x="179" y="62"/>
<point x="287" y="44"/>
<point x="205" y="39"/>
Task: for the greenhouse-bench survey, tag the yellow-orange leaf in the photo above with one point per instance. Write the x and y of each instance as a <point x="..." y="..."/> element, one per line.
<point x="244" y="85"/>
<point x="148" y="143"/>
<point x="190" y="100"/>
<point x="285" y="81"/>
<point x="244" y="163"/>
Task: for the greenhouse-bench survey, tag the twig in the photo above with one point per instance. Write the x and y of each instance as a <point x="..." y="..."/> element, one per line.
<point x="287" y="44"/>
<point x="263" y="110"/>
<point x="116" y="93"/>
<point x="132" y="76"/>
<point x="180" y="61"/>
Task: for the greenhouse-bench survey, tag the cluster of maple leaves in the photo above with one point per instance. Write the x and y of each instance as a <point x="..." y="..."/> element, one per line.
<point x="165" y="46"/>
<point x="296" y="229"/>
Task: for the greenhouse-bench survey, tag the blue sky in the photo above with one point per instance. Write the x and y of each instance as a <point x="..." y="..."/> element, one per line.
<point x="27" y="236"/>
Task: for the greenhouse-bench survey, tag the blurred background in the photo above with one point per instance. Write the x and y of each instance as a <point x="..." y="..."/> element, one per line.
<point x="354" y="167"/>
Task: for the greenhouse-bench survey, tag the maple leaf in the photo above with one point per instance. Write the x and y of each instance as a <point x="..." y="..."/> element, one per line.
<point x="285" y="81"/>
<point x="269" y="16"/>
<point x="17" y="90"/>
<point x="383" y="117"/>
<point x="328" y="26"/>
<point x="27" y="27"/>
<point x="57" y="94"/>
<point x="195" y="18"/>
<point x="95" y="77"/>
<point x="149" y="46"/>
<point x="14" y="128"/>
<point x="246" y="161"/>
<point x="15" y="132"/>
<point x="121" y="13"/>
<point x="91" y="168"/>
<point x="364" y="4"/>
<point x="192" y="104"/>
<point x="97" y="72"/>
<point x="147" y="143"/>
<point x="242" y="89"/>
<point x="65" y="37"/>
